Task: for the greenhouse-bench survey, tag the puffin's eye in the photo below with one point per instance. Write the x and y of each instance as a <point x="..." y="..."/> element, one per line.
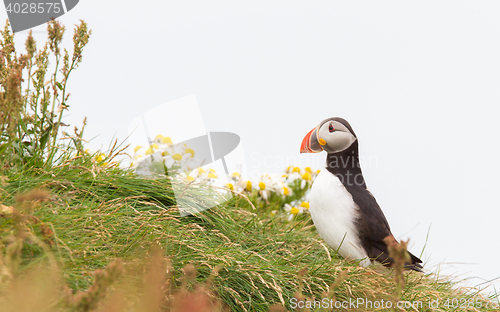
<point x="331" y="128"/>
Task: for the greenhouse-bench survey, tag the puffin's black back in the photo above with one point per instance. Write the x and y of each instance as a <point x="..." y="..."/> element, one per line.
<point x="372" y="224"/>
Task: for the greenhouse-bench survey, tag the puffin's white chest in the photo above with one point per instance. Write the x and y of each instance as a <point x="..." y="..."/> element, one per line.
<point x="333" y="212"/>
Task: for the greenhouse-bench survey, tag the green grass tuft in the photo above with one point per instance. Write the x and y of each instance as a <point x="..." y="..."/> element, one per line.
<point x="250" y="261"/>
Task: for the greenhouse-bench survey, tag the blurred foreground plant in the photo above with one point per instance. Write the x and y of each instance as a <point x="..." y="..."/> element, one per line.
<point x="41" y="288"/>
<point x="32" y="100"/>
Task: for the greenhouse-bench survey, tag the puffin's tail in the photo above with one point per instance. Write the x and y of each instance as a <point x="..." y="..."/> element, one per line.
<point x="415" y="264"/>
<point x="384" y="258"/>
<point x="391" y="243"/>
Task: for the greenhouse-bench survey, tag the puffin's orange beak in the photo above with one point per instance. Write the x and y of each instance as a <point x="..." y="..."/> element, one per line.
<point x="310" y="143"/>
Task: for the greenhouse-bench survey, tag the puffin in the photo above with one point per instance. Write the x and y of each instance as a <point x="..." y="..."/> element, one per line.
<point x="345" y="213"/>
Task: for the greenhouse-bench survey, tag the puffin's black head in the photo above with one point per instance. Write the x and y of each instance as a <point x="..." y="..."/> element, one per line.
<point x="332" y="135"/>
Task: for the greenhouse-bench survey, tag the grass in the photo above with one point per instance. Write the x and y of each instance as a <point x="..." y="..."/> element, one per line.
<point x="246" y="261"/>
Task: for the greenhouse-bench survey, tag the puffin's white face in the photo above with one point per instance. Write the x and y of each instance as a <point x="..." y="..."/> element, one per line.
<point x="331" y="135"/>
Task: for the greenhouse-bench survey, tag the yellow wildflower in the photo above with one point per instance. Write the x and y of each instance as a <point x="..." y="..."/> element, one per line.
<point x="100" y="157"/>
<point x="262" y="185"/>
<point x="166" y="140"/>
<point x="292" y="211"/>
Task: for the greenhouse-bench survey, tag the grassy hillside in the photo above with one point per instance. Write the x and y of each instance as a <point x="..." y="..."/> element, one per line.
<point x="82" y="217"/>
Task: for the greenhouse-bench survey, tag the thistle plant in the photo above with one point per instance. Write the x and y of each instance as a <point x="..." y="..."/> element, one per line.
<point x="33" y="100"/>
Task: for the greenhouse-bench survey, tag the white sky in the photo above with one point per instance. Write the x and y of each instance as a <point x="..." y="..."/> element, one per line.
<point x="419" y="83"/>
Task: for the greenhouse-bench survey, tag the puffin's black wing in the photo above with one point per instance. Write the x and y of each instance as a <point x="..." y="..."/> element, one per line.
<point x="373" y="228"/>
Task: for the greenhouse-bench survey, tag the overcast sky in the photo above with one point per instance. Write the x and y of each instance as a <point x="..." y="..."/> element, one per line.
<point x="419" y="83"/>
